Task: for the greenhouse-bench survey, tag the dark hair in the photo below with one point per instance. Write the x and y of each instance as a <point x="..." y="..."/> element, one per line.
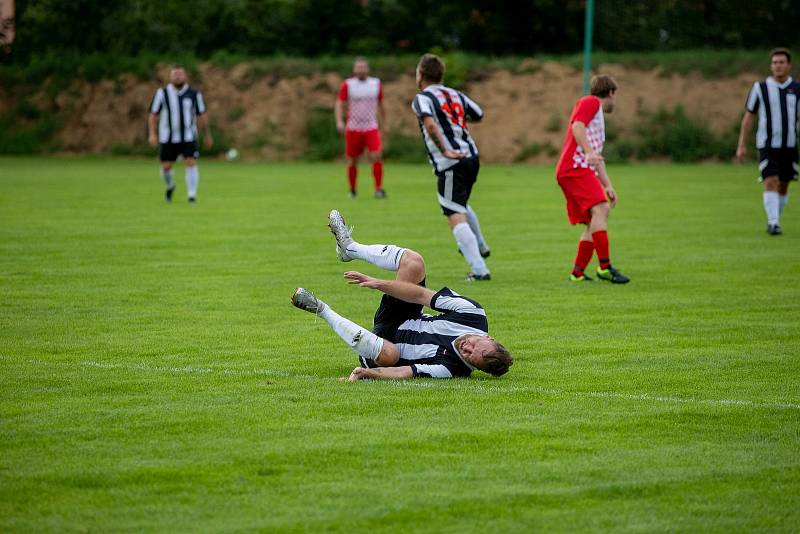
<point x="780" y="51"/>
<point x="497" y="362"/>
<point x="431" y="68"/>
<point x="602" y="86"/>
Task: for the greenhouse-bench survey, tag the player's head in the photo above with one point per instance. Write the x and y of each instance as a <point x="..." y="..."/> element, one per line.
<point x="430" y="70"/>
<point x="486" y="354"/>
<point x="177" y="75"/>
<point x="780" y="62"/>
<point x="605" y="88"/>
<point x="361" y="68"/>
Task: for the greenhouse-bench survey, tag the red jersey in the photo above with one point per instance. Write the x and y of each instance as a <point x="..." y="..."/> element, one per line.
<point x="588" y="111"/>
<point x="362" y="97"/>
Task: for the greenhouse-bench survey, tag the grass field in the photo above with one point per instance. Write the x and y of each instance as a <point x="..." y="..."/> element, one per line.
<point x="155" y="377"/>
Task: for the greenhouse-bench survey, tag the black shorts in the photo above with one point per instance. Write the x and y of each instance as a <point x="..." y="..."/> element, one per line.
<point x="393" y="312"/>
<point x="780" y="162"/>
<point x="455" y="185"/>
<point x="171" y="151"/>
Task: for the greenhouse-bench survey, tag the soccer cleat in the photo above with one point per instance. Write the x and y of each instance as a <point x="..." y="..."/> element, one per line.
<point x="192" y="200"/>
<point x="582" y="278"/>
<point x="342" y="234"/>
<point x="774" y="229"/>
<point x="168" y="194"/>
<point x="352" y="193"/>
<point x="472" y="277"/>
<point x="380" y="193"/>
<point x="612" y="275"/>
<point x="306" y="300"/>
<point x="484" y="253"/>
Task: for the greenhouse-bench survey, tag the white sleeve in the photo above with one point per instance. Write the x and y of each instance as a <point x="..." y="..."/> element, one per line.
<point x="422" y="106"/>
<point x="752" y="99"/>
<point x="422" y="370"/>
<point x="447" y="300"/>
<point x="158" y="101"/>
<point x="472" y="110"/>
<point x="201" y="104"/>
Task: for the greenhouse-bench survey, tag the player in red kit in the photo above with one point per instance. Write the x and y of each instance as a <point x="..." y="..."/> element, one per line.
<point x="363" y="96"/>
<point x="581" y="173"/>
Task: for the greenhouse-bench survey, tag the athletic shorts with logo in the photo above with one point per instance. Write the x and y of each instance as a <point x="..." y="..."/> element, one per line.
<point x="780" y="162"/>
<point x="454" y="185"/>
<point x="355" y="141"/>
<point x="171" y="151"/>
<point x="583" y="190"/>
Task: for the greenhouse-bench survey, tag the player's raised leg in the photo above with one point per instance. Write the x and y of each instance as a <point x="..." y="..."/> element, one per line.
<point x="366" y="344"/>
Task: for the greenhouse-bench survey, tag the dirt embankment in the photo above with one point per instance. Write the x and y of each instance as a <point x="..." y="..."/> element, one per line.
<point x="265" y="117"/>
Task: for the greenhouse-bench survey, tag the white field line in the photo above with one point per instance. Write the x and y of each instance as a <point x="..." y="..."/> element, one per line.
<point x="435" y="384"/>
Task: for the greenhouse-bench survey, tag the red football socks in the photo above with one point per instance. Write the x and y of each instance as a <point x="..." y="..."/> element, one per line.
<point x="377" y="174"/>
<point x="352" y="172"/>
<point x="584" y="256"/>
<point x="601" y="246"/>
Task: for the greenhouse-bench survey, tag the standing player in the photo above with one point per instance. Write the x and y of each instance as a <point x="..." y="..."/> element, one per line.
<point x="404" y="343"/>
<point x="363" y="96"/>
<point x="775" y="102"/>
<point x="581" y="173"/>
<point x="443" y="114"/>
<point x="176" y="110"/>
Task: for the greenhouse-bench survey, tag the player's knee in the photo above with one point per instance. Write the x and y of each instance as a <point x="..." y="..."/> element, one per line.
<point x="375" y="157"/>
<point x="413" y="264"/>
<point x="191" y="162"/>
<point x="167" y="166"/>
<point x="601" y="210"/>
<point x="388" y="356"/>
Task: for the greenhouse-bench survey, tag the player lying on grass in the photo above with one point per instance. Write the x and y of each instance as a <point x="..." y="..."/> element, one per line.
<point x="404" y="342"/>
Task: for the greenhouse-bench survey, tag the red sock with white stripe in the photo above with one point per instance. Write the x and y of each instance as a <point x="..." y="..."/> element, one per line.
<point x="600" y="238"/>
<point x="584" y="256"/>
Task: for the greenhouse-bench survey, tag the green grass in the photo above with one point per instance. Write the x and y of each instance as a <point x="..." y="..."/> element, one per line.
<point x="155" y="377"/>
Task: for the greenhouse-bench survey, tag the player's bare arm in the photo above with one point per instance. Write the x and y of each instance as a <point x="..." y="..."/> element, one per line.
<point x="579" y="131"/>
<point x="438" y="139"/>
<point x="381" y="115"/>
<point x="339" y="113"/>
<point x="744" y="131"/>
<point x="152" y="123"/>
<point x="383" y="373"/>
<point x="203" y="122"/>
<point x="399" y="289"/>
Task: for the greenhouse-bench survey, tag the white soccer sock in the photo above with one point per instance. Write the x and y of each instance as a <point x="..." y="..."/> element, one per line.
<point x="468" y="244"/>
<point x="383" y="256"/>
<point x="167" y="177"/>
<point x="783" y="199"/>
<point x="772" y="207"/>
<point x="361" y="340"/>
<point x="192" y="178"/>
<point x="475" y="226"/>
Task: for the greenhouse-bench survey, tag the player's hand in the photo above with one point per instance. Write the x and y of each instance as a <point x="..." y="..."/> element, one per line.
<point x="359" y="373"/>
<point x="339" y="127"/>
<point x="594" y="159"/>
<point x="612" y="196"/>
<point x="741" y="153"/>
<point x="453" y="154"/>
<point x="360" y="279"/>
<point x="153" y="140"/>
<point x="208" y="142"/>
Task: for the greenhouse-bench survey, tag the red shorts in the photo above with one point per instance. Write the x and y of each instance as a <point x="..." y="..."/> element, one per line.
<point x="583" y="190"/>
<point x="354" y="142"/>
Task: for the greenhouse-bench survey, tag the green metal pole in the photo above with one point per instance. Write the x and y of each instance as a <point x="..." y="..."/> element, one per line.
<point x="587" y="45"/>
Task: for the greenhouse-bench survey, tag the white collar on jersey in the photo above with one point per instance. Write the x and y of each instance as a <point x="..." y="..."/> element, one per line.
<point x="458" y="353"/>
<point x="783" y="85"/>
<point x="183" y="89"/>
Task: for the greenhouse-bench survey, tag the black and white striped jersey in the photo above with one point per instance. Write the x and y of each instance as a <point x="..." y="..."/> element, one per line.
<point x="177" y="111"/>
<point x="776" y="106"/>
<point x="451" y="110"/>
<point x="426" y="344"/>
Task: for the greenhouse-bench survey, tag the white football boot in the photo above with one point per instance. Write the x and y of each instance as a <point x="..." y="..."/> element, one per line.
<point x="342" y="233"/>
<point x="306" y="300"/>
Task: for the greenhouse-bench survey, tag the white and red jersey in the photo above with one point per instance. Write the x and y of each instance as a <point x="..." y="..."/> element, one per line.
<point x="362" y="97"/>
<point x="588" y="111"/>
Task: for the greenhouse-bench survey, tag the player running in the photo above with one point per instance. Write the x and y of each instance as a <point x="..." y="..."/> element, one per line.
<point x="581" y="173"/>
<point x="404" y="342"/>
<point x="177" y="110"/>
<point x="443" y="114"/>
<point x="363" y="96"/>
<point x="775" y="102"/>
